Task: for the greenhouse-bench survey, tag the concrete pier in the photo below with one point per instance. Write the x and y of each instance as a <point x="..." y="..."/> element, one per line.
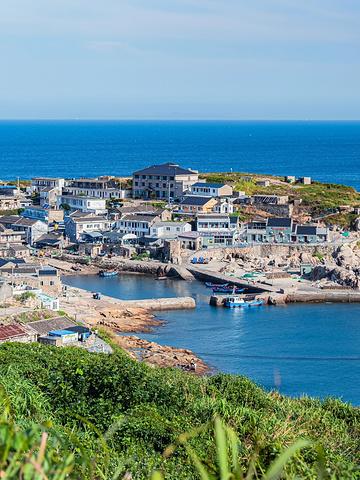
<point x="159" y="304"/>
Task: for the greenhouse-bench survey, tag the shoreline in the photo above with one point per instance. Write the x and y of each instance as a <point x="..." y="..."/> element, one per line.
<point x="121" y="317"/>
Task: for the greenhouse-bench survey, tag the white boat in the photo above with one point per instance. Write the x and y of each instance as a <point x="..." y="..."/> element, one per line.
<point x="235" y="301"/>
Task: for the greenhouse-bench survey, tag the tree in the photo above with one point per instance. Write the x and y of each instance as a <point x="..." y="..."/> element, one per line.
<point x="66" y="207"/>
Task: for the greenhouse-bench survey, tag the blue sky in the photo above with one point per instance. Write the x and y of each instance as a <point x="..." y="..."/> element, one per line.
<point x="186" y="59"/>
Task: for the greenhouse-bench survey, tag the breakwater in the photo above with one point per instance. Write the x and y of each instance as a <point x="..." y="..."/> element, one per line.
<point x="160" y="304"/>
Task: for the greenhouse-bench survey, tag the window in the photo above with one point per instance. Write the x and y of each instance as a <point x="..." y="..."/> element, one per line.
<point x="52" y="282"/>
<point x="136" y="184"/>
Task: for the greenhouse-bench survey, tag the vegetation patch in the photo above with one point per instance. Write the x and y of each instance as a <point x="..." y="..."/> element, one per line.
<point x="79" y="399"/>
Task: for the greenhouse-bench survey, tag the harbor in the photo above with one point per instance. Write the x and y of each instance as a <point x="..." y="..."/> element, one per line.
<point x="313" y="347"/>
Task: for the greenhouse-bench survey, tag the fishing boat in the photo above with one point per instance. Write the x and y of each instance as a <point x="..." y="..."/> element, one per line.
<point x="208" y="284"/>
<point x="161" y="278"/>
<point x="234" y="301"/>
<point x="110" y="273"/>
<point x="228" y="290"/>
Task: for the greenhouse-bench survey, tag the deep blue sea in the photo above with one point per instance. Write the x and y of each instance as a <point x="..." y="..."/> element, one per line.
<point x="299" y="349"/>
<point x="326" y="151"/>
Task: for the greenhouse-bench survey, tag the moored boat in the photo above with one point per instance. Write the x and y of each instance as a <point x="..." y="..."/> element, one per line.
<point x="161" y="278"/>
<point x="209" y="284"/>
<point x="234" y="301"/>
<point x="109" y="273"/>
<point x="228" y="290"/>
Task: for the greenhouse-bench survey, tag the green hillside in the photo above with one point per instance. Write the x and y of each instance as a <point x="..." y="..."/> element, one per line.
<point x="67" y="413"/>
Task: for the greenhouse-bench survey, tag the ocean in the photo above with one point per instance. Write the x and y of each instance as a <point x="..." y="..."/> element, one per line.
<point x="326" y="151"/>
<point x="299" y="349"/>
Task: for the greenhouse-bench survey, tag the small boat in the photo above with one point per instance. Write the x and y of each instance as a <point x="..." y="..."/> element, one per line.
<point x="228" y="290"/>
<point x="111" y="273"/>
<point x="161" y="278"/>
<point x="76" y="268"/>
<point x="233" y="302"/>
<point x="209" y="284"/>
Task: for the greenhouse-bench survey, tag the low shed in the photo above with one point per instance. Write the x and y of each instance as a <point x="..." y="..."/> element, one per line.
<point x="66" y="335"/>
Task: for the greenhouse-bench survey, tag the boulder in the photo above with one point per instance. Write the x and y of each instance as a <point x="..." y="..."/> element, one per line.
<point x="345" y="256"/>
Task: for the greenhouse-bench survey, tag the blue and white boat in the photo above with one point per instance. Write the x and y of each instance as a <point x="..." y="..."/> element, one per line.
<point x="234" y="301"/>
<point x="212" y="285"/>
<point x="108" y="274"/>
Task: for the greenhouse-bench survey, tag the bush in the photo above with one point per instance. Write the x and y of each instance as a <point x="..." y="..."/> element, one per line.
<point x="26" y="295"/>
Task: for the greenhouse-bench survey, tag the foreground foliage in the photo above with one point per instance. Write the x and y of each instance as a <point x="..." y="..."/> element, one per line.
<point x="97" y="415"/>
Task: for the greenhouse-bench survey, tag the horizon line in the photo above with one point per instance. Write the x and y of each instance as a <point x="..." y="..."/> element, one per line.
<point x="178" y="119"/>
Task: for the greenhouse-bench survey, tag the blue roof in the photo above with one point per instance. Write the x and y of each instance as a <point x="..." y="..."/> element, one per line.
<point x="210" y="185"/>
<point x="60" y="333"/>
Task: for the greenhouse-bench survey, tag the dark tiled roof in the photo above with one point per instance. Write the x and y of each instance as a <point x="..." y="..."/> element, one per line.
<point x="279" y="222"/>
<point x="138" y="218"/>
<point x="15" y="261"/>
<point x="43" y="327"/>
<point x="27" y="222"/>
<point x="195" y="200"/>
<point x="47" y="271"/>
<point x="306" y="230"/>
<point x="164" y="169"/>
<point x="9" y="219"/>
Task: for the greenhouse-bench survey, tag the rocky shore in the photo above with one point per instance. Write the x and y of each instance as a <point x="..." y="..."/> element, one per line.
<point x="118" y="317"/>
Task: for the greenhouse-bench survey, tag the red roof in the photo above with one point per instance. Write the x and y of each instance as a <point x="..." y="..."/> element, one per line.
<point x="12" y="331"/>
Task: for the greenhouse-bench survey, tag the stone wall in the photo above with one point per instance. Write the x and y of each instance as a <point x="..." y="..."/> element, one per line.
<point x="278" y="210"/>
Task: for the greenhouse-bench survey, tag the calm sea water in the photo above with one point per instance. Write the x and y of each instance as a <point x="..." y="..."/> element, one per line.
<point x="310" y="349"/>
<point x="326" y="151"/>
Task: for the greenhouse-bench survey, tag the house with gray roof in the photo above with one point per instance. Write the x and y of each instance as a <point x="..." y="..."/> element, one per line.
<point x="43" y="327"/>
<point x="166" y="181"/>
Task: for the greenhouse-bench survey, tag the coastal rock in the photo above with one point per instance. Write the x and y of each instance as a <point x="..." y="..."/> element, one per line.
<point x="319" y="272"/>
<point x="277" y="299"/>
<point x="345" y="256"/>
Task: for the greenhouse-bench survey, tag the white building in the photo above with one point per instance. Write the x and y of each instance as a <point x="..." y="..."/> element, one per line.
<point x="211" y="189"/>
<point x="139" y="225"/>
<point x="38" y="183"/>
<point x="223" y="208"/>
<point x="169" y="229"/>
<point x="76" y="226"/>
<point x="83" y="204"/>
<point x="102" y="187"/>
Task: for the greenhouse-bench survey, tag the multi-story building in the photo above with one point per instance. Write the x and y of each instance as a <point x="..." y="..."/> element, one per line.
<point x="211" y="189"/>
<point x="284" y="230"/>
<point x="164" y="181"/>
<point x="83" y="204"/>
<point x="47" y="215"/>
<point x="103" y="187"/>
<point x="38" y="183"/>
<point x="9" y="190"/>
<point x="48" y="195"/>
<point x="30" y="229"/>
<point x="216" y="229"/>
<point x="137" y="224"/>
<point x="76" y="226"/>
<point x="9" y="203"/>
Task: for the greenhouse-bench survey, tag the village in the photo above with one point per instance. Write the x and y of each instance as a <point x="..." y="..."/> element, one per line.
<point x="164" y="221"/>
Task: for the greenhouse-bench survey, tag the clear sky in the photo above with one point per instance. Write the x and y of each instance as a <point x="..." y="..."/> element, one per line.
<point x="183" y="59"/>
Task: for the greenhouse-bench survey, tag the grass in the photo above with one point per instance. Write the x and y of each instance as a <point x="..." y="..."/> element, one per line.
<point x="318" y="197"/>
<point x="108" y="417"/>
